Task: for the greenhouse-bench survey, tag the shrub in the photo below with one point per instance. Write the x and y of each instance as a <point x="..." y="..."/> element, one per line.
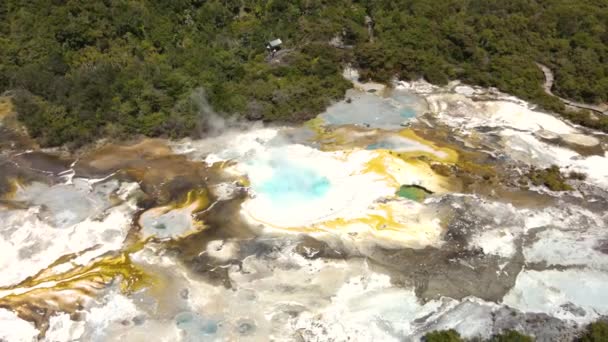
<point x="511" y="336"/>
<point x="443" y="336"/>
<point x="596" y="332"/>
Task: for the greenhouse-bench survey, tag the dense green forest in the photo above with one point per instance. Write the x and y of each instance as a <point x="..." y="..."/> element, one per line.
<point x="80" y="69"/>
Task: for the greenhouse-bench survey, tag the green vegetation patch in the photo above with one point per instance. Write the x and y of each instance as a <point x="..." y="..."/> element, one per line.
<point x="443" y="336"/>
<point x="453" y="336"/>
<point x="511" y="336"/>
<point x="550" y="177"/>
<point x="596" y="332"/>
<point x="79" y="70"/>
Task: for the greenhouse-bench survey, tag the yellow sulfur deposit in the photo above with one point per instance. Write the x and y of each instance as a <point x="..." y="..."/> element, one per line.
<point x="359" y="196"/>
<point x="442" y="154"/>
<point x="411" y="171"/>
<point x="175" y="220"/>
<point x="53" y="290"/>
<point x="393" y="223"/>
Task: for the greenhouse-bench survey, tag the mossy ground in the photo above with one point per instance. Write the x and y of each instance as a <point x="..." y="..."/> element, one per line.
<point x="550" y="177"/>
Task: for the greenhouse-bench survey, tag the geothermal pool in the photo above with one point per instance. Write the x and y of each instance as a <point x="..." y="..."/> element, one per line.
<point x="394" y="213"/>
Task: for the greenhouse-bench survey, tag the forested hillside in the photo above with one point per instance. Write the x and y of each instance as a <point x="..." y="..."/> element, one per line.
<point x="79" y="70"/>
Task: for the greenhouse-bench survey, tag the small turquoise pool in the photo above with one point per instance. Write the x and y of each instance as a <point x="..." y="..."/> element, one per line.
<point x="196" y="326"/>
<point x="291" y="183"/>
<point x="408" y="113"/>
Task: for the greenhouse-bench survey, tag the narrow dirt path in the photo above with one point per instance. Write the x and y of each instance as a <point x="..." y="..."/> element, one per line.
<point x="600" y="109"/>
